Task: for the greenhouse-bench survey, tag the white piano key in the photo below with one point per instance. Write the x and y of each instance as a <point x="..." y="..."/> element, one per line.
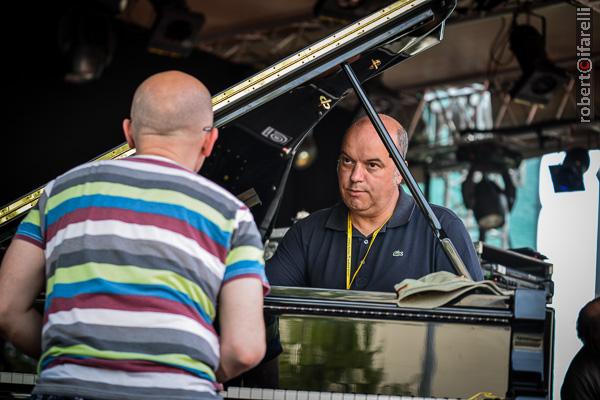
<point x="233" y="392"/>
<point x="302" y="395"/>
<point x="312" y="395"/>
<point x="360" y="397"/>
<point x="325" y="395"/>
<point x="17" y="378"/>
<point x="268" y="394"/>
<point x="244" y="393"/>
<point x="348" y="396"/>
<point x="337" y="396"/>
<point x="279" y="394"/>
<point x="256" y="394"/>
<point x="5" y="377"/>
<point x="291" y="394"/>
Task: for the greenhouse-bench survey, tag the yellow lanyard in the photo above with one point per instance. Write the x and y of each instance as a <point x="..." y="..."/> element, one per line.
<point x="349" y="281"/>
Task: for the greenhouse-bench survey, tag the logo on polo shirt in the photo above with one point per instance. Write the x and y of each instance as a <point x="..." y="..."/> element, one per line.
<point x="398" y="253"/>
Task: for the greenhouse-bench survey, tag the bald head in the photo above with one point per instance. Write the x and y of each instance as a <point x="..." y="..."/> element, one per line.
<point x="363" y="125"/>
<point x="169" y="103"/>
<point x="588" y="325"/>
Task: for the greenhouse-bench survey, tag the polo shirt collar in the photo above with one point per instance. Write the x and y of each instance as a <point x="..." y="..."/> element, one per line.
<point x="405" y="207"/>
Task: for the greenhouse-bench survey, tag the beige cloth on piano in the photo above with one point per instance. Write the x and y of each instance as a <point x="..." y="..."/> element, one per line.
<point x="440" y="288"/>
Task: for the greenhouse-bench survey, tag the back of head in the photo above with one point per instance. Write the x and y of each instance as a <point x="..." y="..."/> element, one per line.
<point x="169" y="103"/>
<point x="588" y="325"/>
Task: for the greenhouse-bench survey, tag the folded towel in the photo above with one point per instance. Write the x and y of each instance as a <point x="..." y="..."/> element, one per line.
<point x="439" y="288"/>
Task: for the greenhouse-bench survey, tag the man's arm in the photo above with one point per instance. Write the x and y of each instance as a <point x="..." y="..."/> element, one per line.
<point x="21" y="281"/>
<point x="242" y="329"/>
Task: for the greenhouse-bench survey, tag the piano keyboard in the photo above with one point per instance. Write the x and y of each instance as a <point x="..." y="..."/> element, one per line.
<point x="280" y="394"/>
<point x="15" y="378"/>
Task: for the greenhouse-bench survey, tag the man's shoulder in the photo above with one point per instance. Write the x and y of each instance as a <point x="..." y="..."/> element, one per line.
<point x="444" y="214"/>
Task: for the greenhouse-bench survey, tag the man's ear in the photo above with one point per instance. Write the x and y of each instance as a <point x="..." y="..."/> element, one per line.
<point x="209" y="142"/>
<point x="397" y="178"/>
<point x="128" y="133"/>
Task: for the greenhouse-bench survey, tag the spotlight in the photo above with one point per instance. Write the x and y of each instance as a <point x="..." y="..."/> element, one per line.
<point x="540" y="77"/>
<point x="568" y="176"/>
<point x="307" y="152"/>
<point x="176" y="29"/>
<point x="87" y="41"/>
<point x="489" y="202"/>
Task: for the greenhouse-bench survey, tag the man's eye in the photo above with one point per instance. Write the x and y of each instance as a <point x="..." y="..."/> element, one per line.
<point x="346" y="161"/>
<point x="373" y="165"/>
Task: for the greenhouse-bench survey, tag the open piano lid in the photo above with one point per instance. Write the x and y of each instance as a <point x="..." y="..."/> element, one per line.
<point x="264" y="118"/>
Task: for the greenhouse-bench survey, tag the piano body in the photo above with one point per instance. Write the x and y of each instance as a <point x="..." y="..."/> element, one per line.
<point x="338" y="345"/>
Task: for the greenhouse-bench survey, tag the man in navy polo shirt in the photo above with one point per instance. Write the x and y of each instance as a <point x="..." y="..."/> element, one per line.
<point x="378" y="236"/>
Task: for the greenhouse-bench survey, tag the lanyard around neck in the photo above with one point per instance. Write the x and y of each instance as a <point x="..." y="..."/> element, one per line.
<point x="349" y="281"/>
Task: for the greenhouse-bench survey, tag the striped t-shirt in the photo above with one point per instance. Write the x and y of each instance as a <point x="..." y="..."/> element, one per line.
<point x="137" y="251"/>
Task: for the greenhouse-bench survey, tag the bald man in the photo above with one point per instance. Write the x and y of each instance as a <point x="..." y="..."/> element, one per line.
<point x="377" y="236"/>
<point x="136" y="257"/>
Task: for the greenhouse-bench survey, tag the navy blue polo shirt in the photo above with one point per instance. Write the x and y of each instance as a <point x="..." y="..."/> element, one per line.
<point x="313" y="251"/>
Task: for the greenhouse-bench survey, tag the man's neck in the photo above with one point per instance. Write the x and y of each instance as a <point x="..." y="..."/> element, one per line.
<point x="367" y="224"/>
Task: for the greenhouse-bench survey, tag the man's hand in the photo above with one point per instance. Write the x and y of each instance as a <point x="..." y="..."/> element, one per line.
<point x="21" y="281"/>
<point x="242" y="326"/>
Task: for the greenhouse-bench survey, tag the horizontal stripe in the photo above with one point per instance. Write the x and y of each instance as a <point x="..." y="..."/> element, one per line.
<point x="175" y="225"/>
<point x="191" y="217"/>
<point x="146" y="254"/>
<point x="118" y="195"/>
<point x="119" y="365"/>
<point x="135" y="379"/>
<point x="125" y="303"/>
<point x="180" y="360"/>
<point x="162" y="163"/>
<point x="92" y="390"/>
<point x="245" y="267"/>
<point x="30" y="230"/>
<point x="62" y="337"/>
<point x="146" y="319"/>
<point x="245" y="253"/>
<point x="147" y="180"/>
<point x="101" y="286"/>
<point x="201" y="180"/>
<point x="32" y="217"/>
<point x="29" y="239"/>
<point x="157" y="340"/>
<point x="129" y="274"/>
<point x="131" y="231"/>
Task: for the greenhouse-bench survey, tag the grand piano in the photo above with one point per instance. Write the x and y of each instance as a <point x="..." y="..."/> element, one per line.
<point x="346" y="345"/>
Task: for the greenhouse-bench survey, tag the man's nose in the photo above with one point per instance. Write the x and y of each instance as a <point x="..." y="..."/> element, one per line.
<point x="357" y="174"/>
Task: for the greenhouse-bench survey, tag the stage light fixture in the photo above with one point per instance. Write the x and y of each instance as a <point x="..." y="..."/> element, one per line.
<point x="490" y="203"/>
<point x="176" y="29"/>
<point x="568" y="176"/>
<point x="540" y="77"/>
<point x="87" y="41"/>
